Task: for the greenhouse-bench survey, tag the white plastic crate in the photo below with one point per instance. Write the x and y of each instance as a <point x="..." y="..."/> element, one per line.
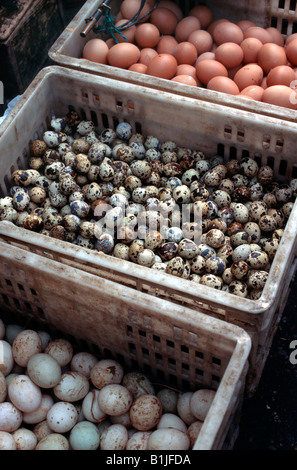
<point x="173" y="345"/>
<point x="209" y="127"/>
<point x="281" y="14"/>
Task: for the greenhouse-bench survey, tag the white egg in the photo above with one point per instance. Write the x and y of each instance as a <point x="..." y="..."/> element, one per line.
<point x="115" y="437"/>
<point x="183" y="408"/>
<point x="25" y="439"/>
<point x="41" y="430"/>
<point x="61" y="350"/>
<point x="73" y="386"/>
<point x="53" y="441"/>
<point x="25" y="344"/>
<point x="40" y="413"/>
<point x="170" y="420"/>
<point x="200" y="403"/>
<point x="114" y="399"/>
<point x="106" y="372"/>
<point x="7" y="361"/>
<point x="10" y="417"/>
<point x="168" y="439"/>
<point x="24" y="393"/>
<point x="7" y="441"/>
<point x="84" y="436"/>
<point x="44" y="370"/>
<point x="91" y="409"/>
<point x="83" y="362"/>
<point x="138" y="441"/>
<point x="62" y="417"/>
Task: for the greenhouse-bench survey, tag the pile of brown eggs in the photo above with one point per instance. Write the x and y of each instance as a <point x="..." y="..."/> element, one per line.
<point x="53" y="397"/>
<point x="240" y="58"/>
<point x="123" y="194"/>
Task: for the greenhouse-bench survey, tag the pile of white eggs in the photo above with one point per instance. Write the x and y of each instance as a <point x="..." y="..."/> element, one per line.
<point x="54" y="398"/>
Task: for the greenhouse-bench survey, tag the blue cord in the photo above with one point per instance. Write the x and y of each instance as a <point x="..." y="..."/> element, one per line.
<point x="109" y="26"/>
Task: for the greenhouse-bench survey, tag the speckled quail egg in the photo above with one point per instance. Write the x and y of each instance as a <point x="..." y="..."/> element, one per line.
<point x="240" y="212"/>
<point x="215" y="238"/>
<point x="240" y="269"/>
<point x="270" y="246"/>
<point x="141" y="168"/>
<point x="153" y="239"/>
<point x="265" y="175"/>
<point x="258" y="259"/>
<point x="238" y="287"/>
<point x="215" y="265"/>
<point x="239" y="237"/>
<point x="187" y="248"/>
<point x="167" y="250"/>
<point x="80" y="208"/>
<point x="124" y="131"/>
<point x="21" y="200"/>
<point x="174" y="234"/>
<point x="146" y="257"/>
<point x="121" y="250"/>
<point x="105" y="243"/>
<point x="267" y="223"/>
<point x="212" y="280"/>
<point x="51" y="138"/>
<point x="257" y="279"/>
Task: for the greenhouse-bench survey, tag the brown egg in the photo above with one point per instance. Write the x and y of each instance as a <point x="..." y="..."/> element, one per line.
<point x="162" y="66"/>
<point x="270" y="55"/>
<point x="173" y="7"/>
<point x="185" y="27"/>
<point x="140" y="68"/>
<point x="206" y="56"/>
<point x="203" y="13"/>
<point x="233" y="71"/>
<point x="207" y="69"/>
<point x="280" y="75"/>
<point x="280" y="95"/>
<point x="245" y="24"/>
<point x="126" y="34"/>
<point x="214" y="23"/>
<point x="202" y="40"/>
<point x="146" y="55"/>
<point x="276" y="35"/>
<point x="96" y="50"/>
<point x="291" y="51"/>
<point x="129" y="8"/>
<point x="147" y="35"/>
<point x="230" y="54"/>
<point x="164" y="19"/>
<point x="185" y="53"/>
<point x="166" y="45"/>
<point x="254" y="91"/>
<point x="227" y="32"/>
<point x="250" y="47"/>
<point x="185" y="80"/>
<point x="223" y="84"/>
<point x="123" y="55"/>
<point x="250" y="74"/>
<point x="290" y="38"/>
<point x="259" y="33"/>
<point x="186" y="69"/>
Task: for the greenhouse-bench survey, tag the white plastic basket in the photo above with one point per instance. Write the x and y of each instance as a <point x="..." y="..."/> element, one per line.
<point x="173" y="345"/>
<point x="67" y="49"/>
<point x="209" y="127"/>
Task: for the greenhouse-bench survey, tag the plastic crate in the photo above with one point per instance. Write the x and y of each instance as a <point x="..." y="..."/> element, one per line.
<point x="67" y="49"/>
<point x="173" y="345"/>
<point x="212" y="128"/>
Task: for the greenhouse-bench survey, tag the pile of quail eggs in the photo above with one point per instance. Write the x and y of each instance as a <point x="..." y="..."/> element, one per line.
<point x="78" y="177"/>
<point x="53" y="397"/>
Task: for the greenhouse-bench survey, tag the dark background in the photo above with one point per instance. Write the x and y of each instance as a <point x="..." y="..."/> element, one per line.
<point x="269" y="418"/>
